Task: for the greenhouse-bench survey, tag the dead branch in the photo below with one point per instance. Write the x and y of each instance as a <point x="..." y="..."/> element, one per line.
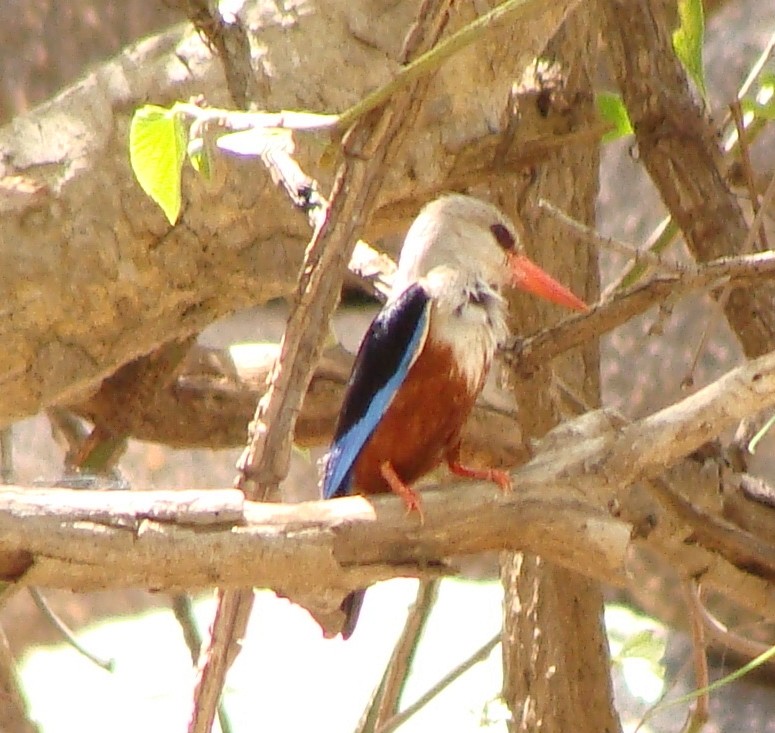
<point x="679" y="149"/>
<point x="572" y="507"/>
<point x="533" y="351"/>
<point x="215" y="393"/>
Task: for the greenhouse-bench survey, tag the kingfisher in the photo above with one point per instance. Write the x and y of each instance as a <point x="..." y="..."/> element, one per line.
<point x="426" y="355"/>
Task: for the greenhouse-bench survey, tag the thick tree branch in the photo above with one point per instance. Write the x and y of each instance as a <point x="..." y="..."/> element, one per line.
<point x="91" y="274"/>
<point x="214" y="395"/>
<point x="214" y="398"/>
<point x="679" y="148"/>
<point x="572" y="505"/>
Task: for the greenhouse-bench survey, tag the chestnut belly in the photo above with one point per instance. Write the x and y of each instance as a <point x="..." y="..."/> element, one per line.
<point x="422" y="423"/>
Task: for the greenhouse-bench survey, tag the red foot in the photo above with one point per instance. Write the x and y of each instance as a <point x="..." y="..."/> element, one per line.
<point x="485" y="474"/>
<point x="397" y="486"/>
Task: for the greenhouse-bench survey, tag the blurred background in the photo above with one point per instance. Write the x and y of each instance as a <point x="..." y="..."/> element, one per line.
<point x="288" y="677"/>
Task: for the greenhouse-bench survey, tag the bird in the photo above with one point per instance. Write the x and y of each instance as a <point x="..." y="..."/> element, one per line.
<point x="425" y="357"/>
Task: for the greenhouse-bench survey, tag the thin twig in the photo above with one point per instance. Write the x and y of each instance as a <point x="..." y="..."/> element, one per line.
<point x="757" y="68"/>
<point x="755" y="127"/>
<point x="183" y="609"/>
<point x="478" y="656"/>
<point x="637" y="254"/>
<point x="766" y="202"/>
<point x="239" y="120"/>
<point x="535" y="350"/>
<point x="576" y="404"/>
<point x="699" y="716"/>
<point x="745" y="159"/>
<point x="738" y="546"/>
<point x="384" y="704"/>
<point x="435" y="57"/>
<point x="724" y="637"/>
<point x="367" y="146"/>
<point x="711" y="321"/>
<point x="662" y="236"/>
<point x="108" y="664"/>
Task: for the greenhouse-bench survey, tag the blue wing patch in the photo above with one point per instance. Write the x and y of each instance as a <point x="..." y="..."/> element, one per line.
<point x="388" y="350"/>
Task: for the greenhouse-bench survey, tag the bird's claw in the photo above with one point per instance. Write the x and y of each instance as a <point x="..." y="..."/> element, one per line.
<point x="413" y="504"/>
<point x="501" y="478"/>
<point x="496" y="475"/>
<point x="397" y="486"/>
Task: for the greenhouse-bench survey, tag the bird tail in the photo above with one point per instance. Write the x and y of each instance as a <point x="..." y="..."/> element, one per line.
<point x="351" y="607"/>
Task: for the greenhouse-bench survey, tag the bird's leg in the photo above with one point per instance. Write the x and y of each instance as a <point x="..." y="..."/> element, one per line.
<point x="397" y="486"/>
<point x="495" y="475"/>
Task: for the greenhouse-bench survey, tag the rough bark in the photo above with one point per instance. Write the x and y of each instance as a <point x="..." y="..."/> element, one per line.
<point x="555" y="652"/>
<point x="92" y="276"/>
<point x="577" y="506"/>
<point x="679" y="149"/>
<point x="210" y="399"/>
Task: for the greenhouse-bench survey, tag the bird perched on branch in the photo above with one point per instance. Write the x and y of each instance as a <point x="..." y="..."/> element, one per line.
<point x="425" y="357"/>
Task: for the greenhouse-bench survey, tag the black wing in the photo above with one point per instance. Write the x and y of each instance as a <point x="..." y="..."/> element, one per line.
<point x="388" y="350"/>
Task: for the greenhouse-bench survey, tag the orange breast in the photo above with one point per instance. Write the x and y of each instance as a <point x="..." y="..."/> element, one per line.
<point x="422" y="422"/>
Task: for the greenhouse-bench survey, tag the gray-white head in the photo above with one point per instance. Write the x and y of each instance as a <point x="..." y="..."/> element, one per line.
<point x="475" y="239"/>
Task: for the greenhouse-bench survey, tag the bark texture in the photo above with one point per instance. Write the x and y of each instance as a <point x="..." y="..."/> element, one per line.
<point x="91" y="274"/>
<point x="573" y="507"/>
<point x="555" y="652"/>
<point x="680" y="150"/>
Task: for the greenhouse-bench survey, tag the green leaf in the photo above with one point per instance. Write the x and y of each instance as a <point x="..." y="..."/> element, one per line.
<point x="762" y="104"/>
<point x="688" y="39"/>
<point x="756" y="438"/>
<point x="713" y="686"/>
<point x="157" y="148"/>
<point x="767" y="84"/>
<point x="612" y="110"/>
<point x="764" y="111"/>
<point x="200" y="158"/>
<point x="645" y="645"/>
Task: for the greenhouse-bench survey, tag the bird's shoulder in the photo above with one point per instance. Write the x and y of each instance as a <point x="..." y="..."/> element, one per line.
<point x="389" y="348"/>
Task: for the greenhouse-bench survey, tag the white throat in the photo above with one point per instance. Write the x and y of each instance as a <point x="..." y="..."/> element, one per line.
<point x="469" y="316"/>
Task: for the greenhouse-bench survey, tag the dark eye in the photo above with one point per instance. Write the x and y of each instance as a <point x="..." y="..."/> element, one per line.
<point x="503" y="236"/>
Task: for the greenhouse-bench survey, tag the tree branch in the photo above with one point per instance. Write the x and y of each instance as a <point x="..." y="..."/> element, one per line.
<point x="680" y="151"/>
<point x="528" y="353"/>
<point x="572" y="506"/>
<point x="216" y="390"/>
<point x="91" y="274"/>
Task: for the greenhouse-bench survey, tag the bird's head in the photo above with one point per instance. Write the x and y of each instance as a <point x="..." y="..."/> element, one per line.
<point x="478" y="241"/>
